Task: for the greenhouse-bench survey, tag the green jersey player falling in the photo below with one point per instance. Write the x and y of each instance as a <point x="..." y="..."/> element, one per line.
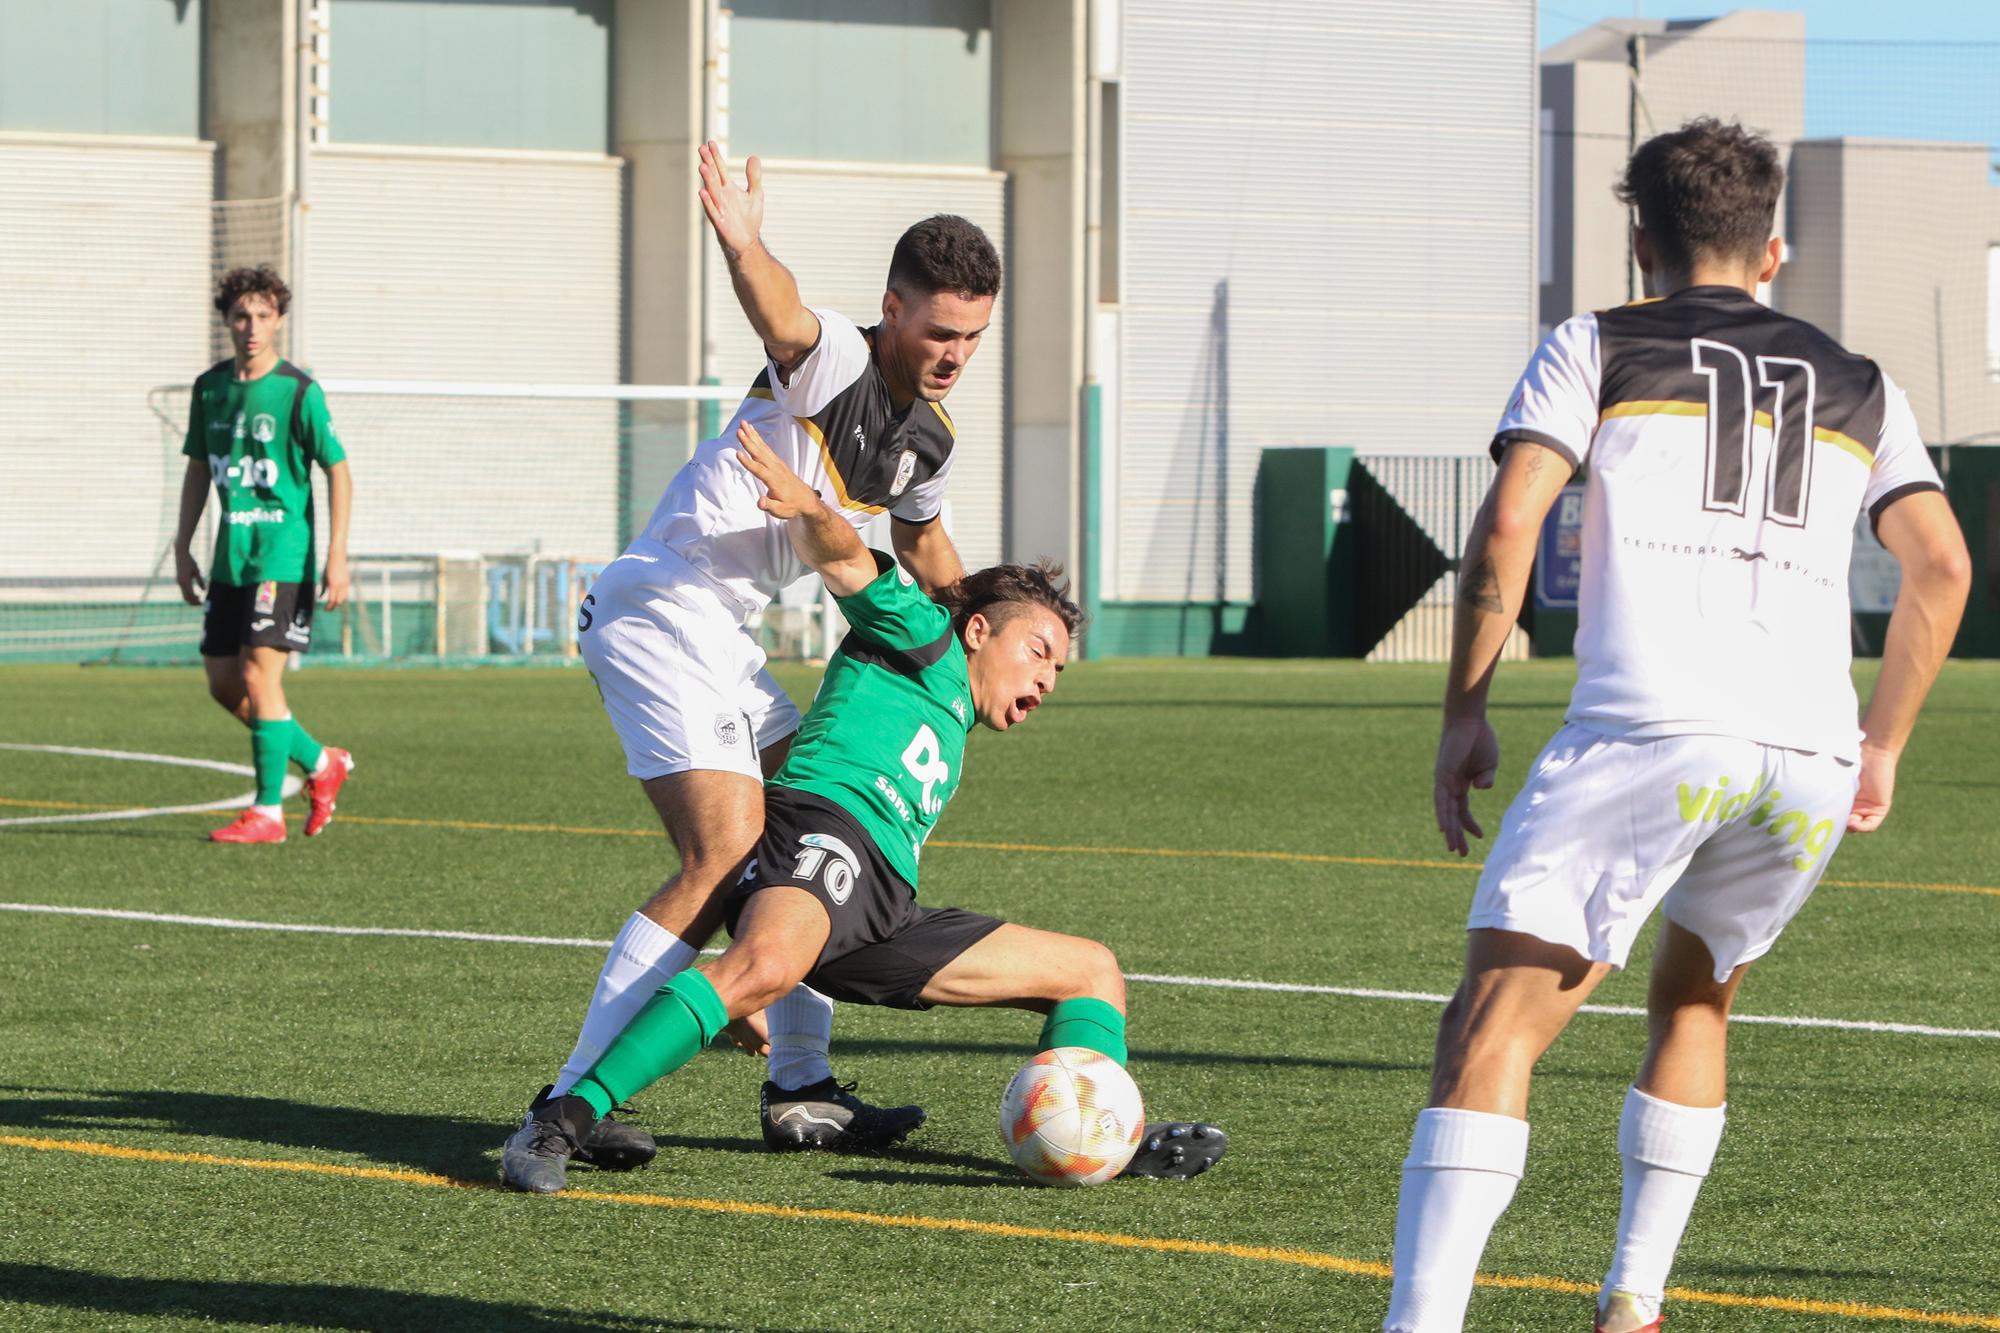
<point x="830" y="895"/>
<point x="257" y="426"/>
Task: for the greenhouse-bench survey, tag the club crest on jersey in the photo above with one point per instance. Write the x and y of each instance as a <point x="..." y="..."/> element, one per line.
<point x="906" y="467"/>
<point x="267" y="598"/>
<point x="264" y="428"/>
<point x="728" y="728"/>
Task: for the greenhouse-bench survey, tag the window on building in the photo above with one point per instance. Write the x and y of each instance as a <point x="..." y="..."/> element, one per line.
<point x="471" y="73"/>
<point x="1993" y="311"/>
<point x="908" y="81"/>
<point x="101" y="67"/>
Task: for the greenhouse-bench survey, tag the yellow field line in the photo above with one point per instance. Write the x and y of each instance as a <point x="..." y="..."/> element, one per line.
<point x="1180" y="853"/>
<point x="1156" y="1244"/>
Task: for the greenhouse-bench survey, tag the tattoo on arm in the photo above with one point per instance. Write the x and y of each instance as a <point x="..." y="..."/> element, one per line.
<point x="1482" y="587"/>
<point x="1536" y="456"/>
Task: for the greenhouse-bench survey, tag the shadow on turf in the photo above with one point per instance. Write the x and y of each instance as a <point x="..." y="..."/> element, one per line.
<point x="308" y="1304"/>
<point x="443" y="1145"/>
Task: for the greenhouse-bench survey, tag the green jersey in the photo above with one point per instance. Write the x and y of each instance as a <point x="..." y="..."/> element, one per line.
<point x="886" y="733"/>
<point x="261" y="438"/>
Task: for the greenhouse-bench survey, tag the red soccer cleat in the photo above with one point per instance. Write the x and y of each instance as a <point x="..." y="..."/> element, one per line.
<point x="324" y="787"/>
<point x="1627" y="1307"/>
<point x="251" y="827"/>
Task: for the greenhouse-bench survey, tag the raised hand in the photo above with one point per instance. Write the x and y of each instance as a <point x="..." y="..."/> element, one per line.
<point x="785" y="495"/>
<point x="736" y="213"/>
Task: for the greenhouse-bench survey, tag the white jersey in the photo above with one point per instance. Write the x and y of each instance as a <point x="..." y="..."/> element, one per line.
<point x="1726" y="450"/>
<point x="833" y="423"/>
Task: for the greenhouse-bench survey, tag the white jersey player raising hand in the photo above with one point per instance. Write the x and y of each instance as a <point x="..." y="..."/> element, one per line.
<point x="1710" y="760"/>
<point x="859" y="415"/>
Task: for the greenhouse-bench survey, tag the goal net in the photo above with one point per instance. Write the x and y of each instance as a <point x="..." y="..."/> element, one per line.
<point x="482" y="514"/>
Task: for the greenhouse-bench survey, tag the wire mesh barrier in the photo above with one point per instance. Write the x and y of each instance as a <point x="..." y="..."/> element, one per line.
<point x="1411" y="513"/>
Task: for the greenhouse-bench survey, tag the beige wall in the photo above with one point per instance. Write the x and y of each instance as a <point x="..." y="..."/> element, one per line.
<point x="1891" y="259"/>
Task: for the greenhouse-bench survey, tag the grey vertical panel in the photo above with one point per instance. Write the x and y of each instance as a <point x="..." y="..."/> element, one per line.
<point x="863" y="80"/>
<point x="101" y="66"/>
<point x="104" y="285"/>
<point x="834" y="229"/>
<point x="1328" y="240"/>
<point x="472" y="73"/>
<point x="480" y="267"/>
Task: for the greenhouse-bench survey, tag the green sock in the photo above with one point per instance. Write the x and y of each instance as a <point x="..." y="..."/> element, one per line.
<point x="270" y="750"/>
<point x="305" y="751"/>
<point x="1093" y="1024"/>
<point x="676" y="1023"/>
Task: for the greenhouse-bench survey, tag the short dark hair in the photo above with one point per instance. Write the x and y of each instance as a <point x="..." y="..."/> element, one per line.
<point x="1004" y="591"/>
<point x="1707" y="188"/>
<point x="262" y="280"/>
<point x="945" y="253"/>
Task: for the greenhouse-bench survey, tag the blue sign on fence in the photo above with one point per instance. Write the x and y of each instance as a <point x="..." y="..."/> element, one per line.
<point x="1559" y="563"/>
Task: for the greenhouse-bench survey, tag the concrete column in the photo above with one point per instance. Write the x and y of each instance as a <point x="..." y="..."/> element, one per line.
<point x="1040" y="75"/>
<point x="656" y="126"/>
<point x="249" y="108"/>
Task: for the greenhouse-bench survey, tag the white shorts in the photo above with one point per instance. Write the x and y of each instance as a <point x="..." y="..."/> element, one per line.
<point x="1733" y="836"/>
<point x="683" y="681"/>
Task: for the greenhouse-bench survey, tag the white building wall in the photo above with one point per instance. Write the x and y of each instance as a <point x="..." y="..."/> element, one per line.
<point x="104" y="289"/>
<point x="470" y="265"/>
<point x="1327" y="240"/>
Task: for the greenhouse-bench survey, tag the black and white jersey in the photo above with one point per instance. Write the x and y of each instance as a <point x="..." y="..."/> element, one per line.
<point x="832" y="421"/>
<point x="1727" y="450"/>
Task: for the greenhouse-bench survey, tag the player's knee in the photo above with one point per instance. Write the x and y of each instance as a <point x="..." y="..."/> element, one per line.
<point x="228" y="693"/>
<point x="759" y="980"/>
<point x="1098" y="972"/>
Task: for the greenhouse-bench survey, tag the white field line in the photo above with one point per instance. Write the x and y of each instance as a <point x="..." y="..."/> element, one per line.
<point x="1157" y="979"/>
<point x="292" y="784"/>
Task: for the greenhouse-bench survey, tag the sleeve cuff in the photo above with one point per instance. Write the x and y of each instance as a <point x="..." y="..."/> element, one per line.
<point x="1894" y="494"/>
<point x="1514" y="434"/>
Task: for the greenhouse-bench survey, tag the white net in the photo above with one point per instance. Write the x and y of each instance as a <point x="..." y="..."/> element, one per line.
<point x="482" y="514"/>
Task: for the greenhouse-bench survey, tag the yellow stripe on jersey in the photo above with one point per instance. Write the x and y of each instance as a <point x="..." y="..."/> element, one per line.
<point x="1653" y="407"/>
<point x="939" y="409"/>
<point x="1663" y="408"/>
<point x="826" y="455"/>
<point x="1846" y="443"/>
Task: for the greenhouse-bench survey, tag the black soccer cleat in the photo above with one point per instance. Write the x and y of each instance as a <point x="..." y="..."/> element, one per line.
<point x="1177" y="1150"/>
<point x="536" y="1157"/>
<point x="613" y="1145"/>
<point x="828" y="1116"/>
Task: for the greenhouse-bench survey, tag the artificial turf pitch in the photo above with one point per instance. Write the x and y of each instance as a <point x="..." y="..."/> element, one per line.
<point x="1858" y="1167"/>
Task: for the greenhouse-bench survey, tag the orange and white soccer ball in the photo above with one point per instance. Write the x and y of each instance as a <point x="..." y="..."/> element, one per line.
<point x="1071" y="1116"/>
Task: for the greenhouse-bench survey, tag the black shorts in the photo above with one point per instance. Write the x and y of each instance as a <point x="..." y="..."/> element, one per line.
<point x="883" y="948"/>
<point x="256" y="615"/>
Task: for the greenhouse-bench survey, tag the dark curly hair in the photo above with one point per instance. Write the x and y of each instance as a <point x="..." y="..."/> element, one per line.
<point x="1707" y="188"/>
<point x="945" y="253"/>
<point x="1004" y="591"/>
<point x="262" y="280"/>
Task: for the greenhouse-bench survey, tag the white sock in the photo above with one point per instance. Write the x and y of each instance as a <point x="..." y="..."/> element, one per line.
<point x="1667" y="1150"/>
<point x="324" y="759"/>
<point x="276" y="812"/>
<point x="644" y="957"/>
<point x="1458" y="1179"/>
<point x="801" y="1031"/>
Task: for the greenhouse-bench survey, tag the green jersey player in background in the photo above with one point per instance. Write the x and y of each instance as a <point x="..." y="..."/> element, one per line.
<point x="256" y="426"/>
<point x="830" y="896"/>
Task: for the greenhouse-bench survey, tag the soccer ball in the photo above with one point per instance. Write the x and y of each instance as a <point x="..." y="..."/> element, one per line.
<point x="1071" y="1116"/>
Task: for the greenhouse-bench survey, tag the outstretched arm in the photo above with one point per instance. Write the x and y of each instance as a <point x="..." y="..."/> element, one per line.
<point x="925" y="549"/>
<point x="823" y="539"/>
<point x="764" y="287"/>
<point x="1492" y="577"/>
<point x="1922" y="534"/>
